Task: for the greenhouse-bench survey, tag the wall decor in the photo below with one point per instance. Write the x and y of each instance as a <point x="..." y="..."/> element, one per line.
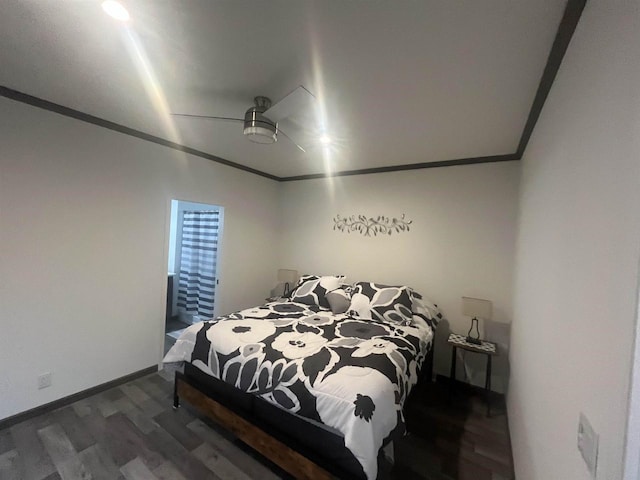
<point x="367" y="226"/>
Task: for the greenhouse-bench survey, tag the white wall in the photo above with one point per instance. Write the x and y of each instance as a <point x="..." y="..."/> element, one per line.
<point x="461" y="241"/>
<point x="577" y="255"/>
<point x="84" y="225"/>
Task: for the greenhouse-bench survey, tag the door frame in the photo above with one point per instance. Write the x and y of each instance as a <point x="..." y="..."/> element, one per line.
<point x="183" y="207"/>
<point x="632" y="441"/>
<point x="167" y="248"/>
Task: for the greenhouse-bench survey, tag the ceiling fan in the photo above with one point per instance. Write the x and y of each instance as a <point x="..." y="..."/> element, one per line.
<point x="261" y="120"/>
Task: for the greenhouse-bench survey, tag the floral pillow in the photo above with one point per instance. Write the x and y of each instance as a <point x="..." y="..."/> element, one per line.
<point x="312" y="289"/>
<point x="381" y="302"/>
<point x="425" y="309"/>
<point x="340" y="299"/>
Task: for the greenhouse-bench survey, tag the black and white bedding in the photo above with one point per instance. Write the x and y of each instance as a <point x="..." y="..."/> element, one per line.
<point x="348" y="373"/>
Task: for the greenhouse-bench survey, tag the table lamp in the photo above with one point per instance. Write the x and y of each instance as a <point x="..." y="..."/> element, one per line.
<point x="287" y="277"/>
<point x="475" y="308"/>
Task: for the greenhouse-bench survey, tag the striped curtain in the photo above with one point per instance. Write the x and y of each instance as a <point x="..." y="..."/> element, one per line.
<point x="198" y="263"/>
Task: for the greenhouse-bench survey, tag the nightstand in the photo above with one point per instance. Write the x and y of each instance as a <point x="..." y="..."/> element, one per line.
<point x="486" y="348"/>
<point x="276" y="299"/>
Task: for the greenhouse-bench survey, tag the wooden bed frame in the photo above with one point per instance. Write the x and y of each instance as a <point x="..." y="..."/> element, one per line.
<point x="271" y="430"/>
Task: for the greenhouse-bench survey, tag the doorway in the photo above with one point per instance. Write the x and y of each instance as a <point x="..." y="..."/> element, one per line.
<point x="194" y="240"/>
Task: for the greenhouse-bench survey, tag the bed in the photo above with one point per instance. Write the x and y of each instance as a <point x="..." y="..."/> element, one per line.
<point x="327" y="383"/>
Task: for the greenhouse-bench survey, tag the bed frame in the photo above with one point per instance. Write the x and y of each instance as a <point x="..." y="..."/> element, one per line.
<point x="299" y="447"/>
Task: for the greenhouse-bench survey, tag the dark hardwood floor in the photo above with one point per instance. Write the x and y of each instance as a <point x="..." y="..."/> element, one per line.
<point x="452" y="438"/>
<point x="132" y="432"/>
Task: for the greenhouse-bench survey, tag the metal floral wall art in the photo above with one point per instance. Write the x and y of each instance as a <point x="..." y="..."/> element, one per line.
<point x="368" y="226"/>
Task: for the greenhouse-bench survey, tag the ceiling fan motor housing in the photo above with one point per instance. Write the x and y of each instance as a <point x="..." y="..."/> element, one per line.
<point x="257" y="127"/>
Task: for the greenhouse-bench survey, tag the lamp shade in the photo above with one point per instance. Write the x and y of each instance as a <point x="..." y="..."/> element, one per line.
<point x="287" y="276"/>
<point x="476" y="307"/>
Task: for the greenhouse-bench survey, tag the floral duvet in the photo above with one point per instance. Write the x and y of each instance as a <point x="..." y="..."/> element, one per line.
<point x="350" y="374"/>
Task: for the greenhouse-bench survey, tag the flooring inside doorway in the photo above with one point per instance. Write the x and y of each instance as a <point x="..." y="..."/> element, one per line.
<point x="173" y="329"/>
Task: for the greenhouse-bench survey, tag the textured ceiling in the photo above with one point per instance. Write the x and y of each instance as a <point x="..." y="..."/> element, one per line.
<point x="397" y="82"/>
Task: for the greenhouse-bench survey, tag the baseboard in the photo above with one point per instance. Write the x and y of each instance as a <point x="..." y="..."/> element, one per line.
<point x="62" y="402"/>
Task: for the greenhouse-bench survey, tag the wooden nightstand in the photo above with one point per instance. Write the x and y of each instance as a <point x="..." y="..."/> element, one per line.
<point x="487" y="348"/>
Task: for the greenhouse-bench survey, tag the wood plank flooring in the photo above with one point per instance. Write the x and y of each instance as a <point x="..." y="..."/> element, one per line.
<point x="131" y="432"/>
<point x="452" y="438"/>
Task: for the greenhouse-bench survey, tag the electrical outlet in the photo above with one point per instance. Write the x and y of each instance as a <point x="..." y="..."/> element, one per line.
<point x="44" y="380"/>
<point x="588" y="444"/>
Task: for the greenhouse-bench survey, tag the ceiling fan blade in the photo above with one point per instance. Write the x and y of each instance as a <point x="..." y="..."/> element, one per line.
<point x="207" y="117"/>
<point x="298" y="100"/>
<point x="292" y="141"/>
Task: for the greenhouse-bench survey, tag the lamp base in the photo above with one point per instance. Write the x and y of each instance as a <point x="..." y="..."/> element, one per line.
<point x="475" y="341"/>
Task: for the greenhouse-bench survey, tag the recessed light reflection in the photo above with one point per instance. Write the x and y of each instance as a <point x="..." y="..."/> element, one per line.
<point x="116" y="10"/>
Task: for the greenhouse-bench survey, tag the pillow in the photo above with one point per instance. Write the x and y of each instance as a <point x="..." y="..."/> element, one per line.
<point x="425" y="309"/>
<point x="381" y="302"/>
<point x="339" y="299"/>
<point x="312" y="289"/>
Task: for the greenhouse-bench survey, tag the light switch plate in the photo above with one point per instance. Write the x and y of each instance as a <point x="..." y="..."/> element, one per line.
<point x="588" y="444"/>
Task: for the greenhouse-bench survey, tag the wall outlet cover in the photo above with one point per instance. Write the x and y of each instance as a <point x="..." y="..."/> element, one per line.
<point x="588" y="444"/>
<point x="44" y="380"/>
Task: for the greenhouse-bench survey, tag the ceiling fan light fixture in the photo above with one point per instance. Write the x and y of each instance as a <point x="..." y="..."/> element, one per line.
<point x="257" y="127"/>
<point x="260" y="134"/>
